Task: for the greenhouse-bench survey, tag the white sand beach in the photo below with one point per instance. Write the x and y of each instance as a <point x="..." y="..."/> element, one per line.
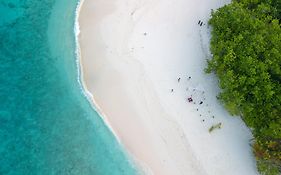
<point x="133" y="54"/>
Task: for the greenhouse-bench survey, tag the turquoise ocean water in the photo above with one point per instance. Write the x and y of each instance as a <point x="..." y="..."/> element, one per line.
<point x="47" y="126"/>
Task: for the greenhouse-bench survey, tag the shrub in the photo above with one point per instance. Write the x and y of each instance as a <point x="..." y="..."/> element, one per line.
<point x="246" y="48"/>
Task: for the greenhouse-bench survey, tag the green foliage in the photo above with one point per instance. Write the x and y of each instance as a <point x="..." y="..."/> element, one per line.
<point x="274" y="6"/>
<point x="267" y="168"/>
<point x="246" y="48"/>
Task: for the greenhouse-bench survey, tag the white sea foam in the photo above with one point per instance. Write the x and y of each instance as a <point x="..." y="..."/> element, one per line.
<point x="141" y="165"/>
<point x="148" y="44"/>
<point x="80" y="80"/>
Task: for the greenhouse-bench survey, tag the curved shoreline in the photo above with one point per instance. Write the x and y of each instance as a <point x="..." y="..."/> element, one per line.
<point x="176" y="139"/>
<point x="80" y="78"/>
<point x="140" y="166"/>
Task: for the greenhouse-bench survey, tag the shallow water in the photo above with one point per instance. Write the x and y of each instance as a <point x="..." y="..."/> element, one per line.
<point x="47" y="126"/>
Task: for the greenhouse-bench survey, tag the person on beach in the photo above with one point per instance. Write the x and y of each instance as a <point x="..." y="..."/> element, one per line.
<point x="199" y="21"/>
<point x="179" y="79"/>
<point x="190" y="99"/>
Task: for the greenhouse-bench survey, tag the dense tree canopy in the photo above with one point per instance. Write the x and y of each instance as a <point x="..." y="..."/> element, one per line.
<point x="246" y="48"/>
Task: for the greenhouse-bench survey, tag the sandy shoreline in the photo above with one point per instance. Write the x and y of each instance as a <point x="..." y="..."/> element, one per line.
<point x="133" y="53"/>
<point x="80" y="78"/>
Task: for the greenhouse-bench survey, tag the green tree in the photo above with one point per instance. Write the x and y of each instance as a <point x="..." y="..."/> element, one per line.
<point x="246" y="48"/>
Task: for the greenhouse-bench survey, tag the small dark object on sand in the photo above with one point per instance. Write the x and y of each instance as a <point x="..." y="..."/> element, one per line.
<point x="189" y="77"/>
<point x="172" y="90"/>
<point x="145" y="34"/>
<point x="216" y="126"/>
<point x="197" y="109"/>
<point x="201" y="102"/>
<point x="179" y="79"/>
<point x="199" y="21"/>
<point x="190" y="99"/>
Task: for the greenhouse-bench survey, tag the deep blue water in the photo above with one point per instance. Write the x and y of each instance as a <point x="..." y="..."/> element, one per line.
<point x="47" y="126"/>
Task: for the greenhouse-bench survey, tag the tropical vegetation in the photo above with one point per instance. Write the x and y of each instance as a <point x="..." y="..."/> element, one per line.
<point x="246" y="57"/>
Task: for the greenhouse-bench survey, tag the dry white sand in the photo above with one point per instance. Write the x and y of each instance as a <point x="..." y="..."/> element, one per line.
<point x="133" y="52"/>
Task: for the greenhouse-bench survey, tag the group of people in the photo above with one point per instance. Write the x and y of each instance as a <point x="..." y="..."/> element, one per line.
<point x="179" y="79"/>
<point x="192" y="99"/>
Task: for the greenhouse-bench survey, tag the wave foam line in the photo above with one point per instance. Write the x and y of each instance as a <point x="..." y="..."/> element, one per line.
<point x="80" y="79"/>
<point x="141" y="166"/>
